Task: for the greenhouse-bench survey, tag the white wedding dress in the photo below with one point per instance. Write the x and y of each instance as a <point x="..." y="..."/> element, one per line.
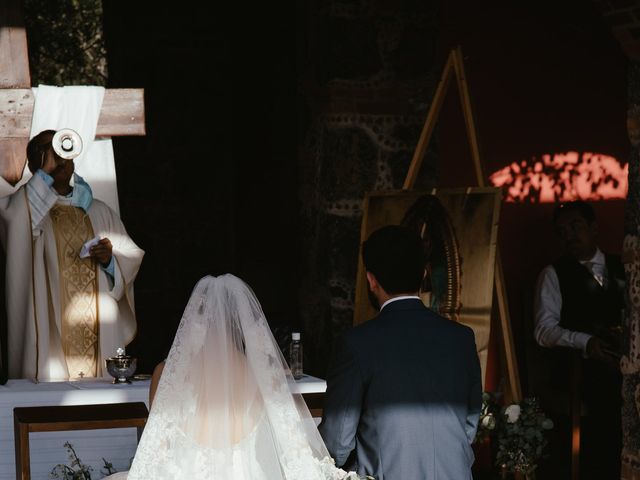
<point x="224" y="408"/>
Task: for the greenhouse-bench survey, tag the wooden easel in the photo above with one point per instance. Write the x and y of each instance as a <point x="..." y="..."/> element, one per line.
<point x="455" y="67"/>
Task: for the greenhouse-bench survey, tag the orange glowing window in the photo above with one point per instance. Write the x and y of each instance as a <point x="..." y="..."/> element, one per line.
<point x="562" y="177"/>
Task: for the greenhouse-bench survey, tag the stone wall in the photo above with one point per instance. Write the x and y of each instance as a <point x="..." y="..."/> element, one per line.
<point x="624" y="18"/>
<point x="211" y="189"/>
<point x="631" y="360"/>
<point x="368" y="73"/>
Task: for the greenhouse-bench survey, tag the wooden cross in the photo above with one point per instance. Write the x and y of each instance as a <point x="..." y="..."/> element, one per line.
<point x="122" y="110"/>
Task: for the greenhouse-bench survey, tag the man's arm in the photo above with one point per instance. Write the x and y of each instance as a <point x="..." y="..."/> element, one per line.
<point x="343" y="404"/>
<point x="475" y="392"/>
<point x="115" y="249"/>
<point x="41" y="197"/>
<point x="548" y="305"/>
<point x="114" y="277"/>
<point x="155" y="380"/>
<point x="40" y="192"/>
<point x="103" y="255"/>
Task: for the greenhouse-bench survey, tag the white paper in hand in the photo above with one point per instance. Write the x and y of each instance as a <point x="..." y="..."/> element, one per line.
<point x="84" y="251"/>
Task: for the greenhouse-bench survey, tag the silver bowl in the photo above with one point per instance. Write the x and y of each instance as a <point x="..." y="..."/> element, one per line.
<point x="121" y="368"/>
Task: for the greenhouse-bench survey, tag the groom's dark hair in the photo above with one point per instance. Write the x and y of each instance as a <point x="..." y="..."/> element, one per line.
<point x="395" y="255"/>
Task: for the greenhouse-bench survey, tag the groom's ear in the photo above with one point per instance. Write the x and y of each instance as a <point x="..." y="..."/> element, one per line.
<point x="372" y="281"/>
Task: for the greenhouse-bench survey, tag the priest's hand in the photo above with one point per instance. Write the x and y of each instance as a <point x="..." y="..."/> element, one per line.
<point x="48" y="161"/>
<point x="599" y="350"/>
<point x="101" y="252"/>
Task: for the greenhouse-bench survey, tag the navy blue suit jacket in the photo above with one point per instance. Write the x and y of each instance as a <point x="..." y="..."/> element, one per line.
<point x="403" y="396"/>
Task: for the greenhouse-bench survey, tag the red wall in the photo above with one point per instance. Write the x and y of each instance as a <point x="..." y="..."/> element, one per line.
<point x="543" y="79"/>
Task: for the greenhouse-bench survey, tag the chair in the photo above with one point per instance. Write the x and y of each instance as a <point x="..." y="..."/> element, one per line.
<point x="76" y="417"/>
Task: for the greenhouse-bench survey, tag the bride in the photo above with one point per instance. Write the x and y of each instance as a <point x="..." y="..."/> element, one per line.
<point x="223" y="407"/>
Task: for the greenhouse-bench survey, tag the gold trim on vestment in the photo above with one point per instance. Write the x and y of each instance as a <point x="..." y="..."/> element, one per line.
<point x="80" y="334"/>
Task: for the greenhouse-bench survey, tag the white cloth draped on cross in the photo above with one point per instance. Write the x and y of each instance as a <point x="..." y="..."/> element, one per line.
<point x="78" y="108"/>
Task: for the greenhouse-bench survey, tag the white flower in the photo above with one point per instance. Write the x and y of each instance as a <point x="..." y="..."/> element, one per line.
<point x="488" y="422"/>
<point x="513" y="413"/>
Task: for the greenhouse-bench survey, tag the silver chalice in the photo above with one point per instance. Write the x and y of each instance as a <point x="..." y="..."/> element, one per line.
<point x="121" y="367"/>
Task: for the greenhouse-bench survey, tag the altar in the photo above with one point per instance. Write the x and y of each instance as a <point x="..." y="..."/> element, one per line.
<point x="117" y="446"/>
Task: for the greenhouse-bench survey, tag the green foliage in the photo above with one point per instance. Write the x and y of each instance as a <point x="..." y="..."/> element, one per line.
<point x="66" y="44"/>
<point x="488" y="417"/>
<point x="76" y="470"/>
<point x="519" y="430"/>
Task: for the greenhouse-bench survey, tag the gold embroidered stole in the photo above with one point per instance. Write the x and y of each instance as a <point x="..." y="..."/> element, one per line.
<point x="80" y="332"/>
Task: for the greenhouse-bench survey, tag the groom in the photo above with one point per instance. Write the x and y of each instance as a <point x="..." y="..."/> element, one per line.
<point x="404" y="392"/>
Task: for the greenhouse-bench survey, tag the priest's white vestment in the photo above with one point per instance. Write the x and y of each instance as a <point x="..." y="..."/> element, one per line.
<point x="34" y="285"/>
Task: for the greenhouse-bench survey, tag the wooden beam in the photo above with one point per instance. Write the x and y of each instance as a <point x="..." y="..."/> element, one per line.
<point x="429" y="124"/>
<point x="122" y="113"/>
<point x="14" y="59"/>
<point x="514" y="388"/>
<point x="467" y="111"/>
<point x="576" y="415"/>
<point x="513" y="377"/>
<point x="14" y="73"/>
<point x="13" y="155"/>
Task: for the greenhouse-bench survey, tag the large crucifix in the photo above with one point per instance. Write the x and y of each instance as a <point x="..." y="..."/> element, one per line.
<point x="122" y="110"/>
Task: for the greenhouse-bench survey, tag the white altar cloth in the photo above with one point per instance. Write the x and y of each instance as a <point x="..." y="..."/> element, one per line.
<point x="309" y="384"/>
<point x="47" y="448"/>
<point x="116" y="445"/>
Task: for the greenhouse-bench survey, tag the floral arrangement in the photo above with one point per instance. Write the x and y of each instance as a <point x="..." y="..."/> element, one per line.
<point x="519" y="429"/>
<point x="77" y="470"/>
<point x="488" y="417"/>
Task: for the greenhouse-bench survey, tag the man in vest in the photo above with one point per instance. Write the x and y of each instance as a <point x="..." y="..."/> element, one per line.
<point x="578" y="313"/>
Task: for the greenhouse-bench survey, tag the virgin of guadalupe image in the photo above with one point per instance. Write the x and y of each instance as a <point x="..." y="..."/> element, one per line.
<point x="441" y="286"/>
<point x="459" y="228"/>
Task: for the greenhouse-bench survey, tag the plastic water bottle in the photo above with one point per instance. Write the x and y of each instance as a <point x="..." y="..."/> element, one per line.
<point x="295" y="355"/>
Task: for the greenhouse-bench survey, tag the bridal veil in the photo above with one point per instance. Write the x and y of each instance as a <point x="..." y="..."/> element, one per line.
<point x="224" y="407"/>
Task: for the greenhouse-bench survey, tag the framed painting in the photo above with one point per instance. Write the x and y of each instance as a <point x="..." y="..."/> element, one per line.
<point x="459" y="228"/>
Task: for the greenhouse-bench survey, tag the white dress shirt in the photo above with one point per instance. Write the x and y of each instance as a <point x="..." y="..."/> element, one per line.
<point x="548" y="305"/>
<point x="395" y="299"/>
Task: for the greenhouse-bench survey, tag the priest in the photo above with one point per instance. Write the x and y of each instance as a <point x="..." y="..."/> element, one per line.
<point x="66" y="312"/>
